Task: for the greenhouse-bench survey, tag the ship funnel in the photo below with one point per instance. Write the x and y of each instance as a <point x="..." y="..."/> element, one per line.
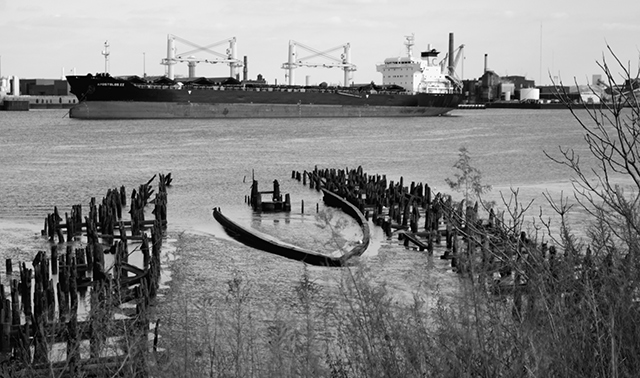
<point x="192" y="68"/>
<point x="451" y="67"/>
<point x="486" y="60"/>
<point x="245" y="70"/>
<point x="15" y="89"/>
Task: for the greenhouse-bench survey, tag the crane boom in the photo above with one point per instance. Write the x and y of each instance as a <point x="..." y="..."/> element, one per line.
<point x="173" y="57"/>
<point x="343" y="62"/>
<point x="458" y="53"/>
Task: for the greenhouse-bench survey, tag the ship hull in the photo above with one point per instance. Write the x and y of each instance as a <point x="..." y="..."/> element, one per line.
<point x="105" y="97"/>
<point x="175" y="110"/>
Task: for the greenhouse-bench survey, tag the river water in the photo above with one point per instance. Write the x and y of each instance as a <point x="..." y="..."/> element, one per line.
<point x="48" y="160"/>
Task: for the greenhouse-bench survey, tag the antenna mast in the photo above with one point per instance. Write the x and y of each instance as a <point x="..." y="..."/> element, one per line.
<point x="105" y="52"/>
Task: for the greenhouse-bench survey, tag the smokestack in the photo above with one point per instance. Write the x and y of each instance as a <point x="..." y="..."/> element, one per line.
<point x="451" y="68"/>
<point x="486" y="60"/>
<point x="15" y="90"/>
<point x="245" y="70"/>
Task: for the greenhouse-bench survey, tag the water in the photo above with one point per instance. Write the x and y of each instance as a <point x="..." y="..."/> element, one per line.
<point x="49" y="160"/>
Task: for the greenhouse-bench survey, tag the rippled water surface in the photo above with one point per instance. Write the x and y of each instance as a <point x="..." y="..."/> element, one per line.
<point x="48" y="160"/>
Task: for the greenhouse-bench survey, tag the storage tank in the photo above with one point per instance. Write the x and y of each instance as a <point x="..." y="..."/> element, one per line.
<point x="529" y="94"/>
<point x="4" y="85"/>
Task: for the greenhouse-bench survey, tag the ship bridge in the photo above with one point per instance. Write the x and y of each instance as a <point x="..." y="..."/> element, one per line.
<point x="413" y="74"/>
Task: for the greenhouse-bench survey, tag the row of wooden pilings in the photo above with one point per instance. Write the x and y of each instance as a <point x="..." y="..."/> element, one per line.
<point x="422" y="218"/>
<point x="474" y="245"/>
<point x="391" y="205"/>
<point x="488" y="250"/>
<point x="42" y="314"/>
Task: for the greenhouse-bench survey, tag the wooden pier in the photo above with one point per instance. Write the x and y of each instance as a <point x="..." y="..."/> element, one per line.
<point x="48" y="328"/>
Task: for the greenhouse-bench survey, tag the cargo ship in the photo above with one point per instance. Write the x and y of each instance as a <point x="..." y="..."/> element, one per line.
<point x="411" y="87"/>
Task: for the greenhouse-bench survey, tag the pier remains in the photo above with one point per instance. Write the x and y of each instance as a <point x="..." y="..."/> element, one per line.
<point x="82" y="308"/>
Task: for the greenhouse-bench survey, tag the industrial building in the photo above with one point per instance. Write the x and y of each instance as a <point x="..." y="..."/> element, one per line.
<point x="494" y="90"/>
<point x="44" y="87"/>
<point x="25" y="94"/>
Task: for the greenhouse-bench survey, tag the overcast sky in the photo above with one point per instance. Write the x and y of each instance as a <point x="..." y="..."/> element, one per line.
<point x="38" y="39"/>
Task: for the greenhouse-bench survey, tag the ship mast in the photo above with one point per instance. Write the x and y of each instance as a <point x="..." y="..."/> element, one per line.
<point x="409" y="43"/>
<point x="106" y="53"/>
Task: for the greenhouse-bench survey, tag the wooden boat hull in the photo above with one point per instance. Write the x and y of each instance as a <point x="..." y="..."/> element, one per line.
<point x="254" y="239"/>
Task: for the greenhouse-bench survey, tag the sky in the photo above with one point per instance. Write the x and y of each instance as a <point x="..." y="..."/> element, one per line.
<point x="543" y="39"/>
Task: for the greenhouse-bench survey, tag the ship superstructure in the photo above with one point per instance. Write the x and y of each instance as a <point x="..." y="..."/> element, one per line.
<point x="424" y="75"/>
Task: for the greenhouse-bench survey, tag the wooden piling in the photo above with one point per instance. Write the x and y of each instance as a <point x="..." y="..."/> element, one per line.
<point x="5" y="323"/>
<point x="73" y="351"/>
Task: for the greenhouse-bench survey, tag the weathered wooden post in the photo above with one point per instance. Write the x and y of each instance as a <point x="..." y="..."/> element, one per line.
<point x="5" y="319"/>
<point x="287" y="202"/>
<point x="73" y="350"/>
<point x="40" y="307"/>
<point x="99" y="314"/>
<point x="57" y="220"/>
<point x="5" y="323"/>
<point x="69" y="226"/>
<point x="454" y="248"/>
<point x="276" y="191"/>
<point x="144" y="247"/>
<point x="54" y="259"/>
<point x="140" y="331"/>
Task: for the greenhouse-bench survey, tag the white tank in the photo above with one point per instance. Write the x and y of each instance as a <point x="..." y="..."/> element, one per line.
<point x="4" y="85"/>
<point x="507" y="96"/>
<point x="529" y="94"/>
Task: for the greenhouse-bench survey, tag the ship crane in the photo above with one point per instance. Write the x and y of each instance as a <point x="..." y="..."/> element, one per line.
<point x="451" y="69"/>
<point x="343" y="62"/>
<point x="173" y="57"/>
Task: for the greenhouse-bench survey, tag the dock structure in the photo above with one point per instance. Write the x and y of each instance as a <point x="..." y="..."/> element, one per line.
<point x="277" y="202"/>
<point x="47" y="310"/>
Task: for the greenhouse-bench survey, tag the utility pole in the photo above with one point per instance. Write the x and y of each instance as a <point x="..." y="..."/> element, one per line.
<point x="540" y="73"/>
